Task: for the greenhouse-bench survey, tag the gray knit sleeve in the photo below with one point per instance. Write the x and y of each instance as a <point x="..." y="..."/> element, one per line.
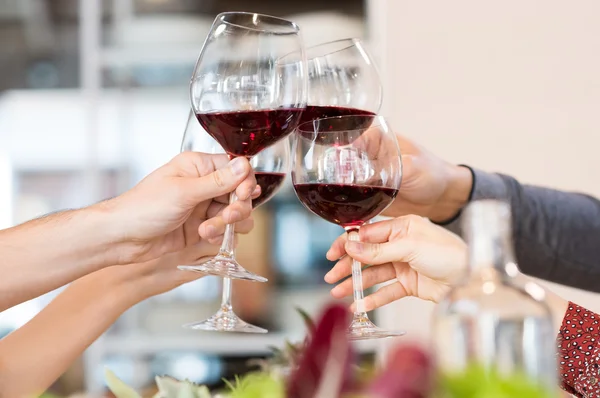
<point x="556" y="233"/>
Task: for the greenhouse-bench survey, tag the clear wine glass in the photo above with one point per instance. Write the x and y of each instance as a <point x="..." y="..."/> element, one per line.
<point x="347" y="170"/>
<point x="342" y="80"/>
<point x="270" y="167"/>
<point x="248" y="91"/>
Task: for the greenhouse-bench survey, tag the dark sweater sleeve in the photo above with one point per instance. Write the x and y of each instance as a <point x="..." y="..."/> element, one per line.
<point x="556" y="234"/>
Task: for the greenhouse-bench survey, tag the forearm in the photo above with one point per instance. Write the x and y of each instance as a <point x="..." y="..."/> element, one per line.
<point x="34" y="356"/>
<point x="555" y="232"/>
<point x="49" y="252"/>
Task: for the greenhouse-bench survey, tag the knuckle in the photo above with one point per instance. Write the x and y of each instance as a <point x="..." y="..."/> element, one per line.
<point x="394" y="296"/>
<point x="413" y="218"/>
<point x="185" y="157"/>
<point x="402" y="226"/>
<point x="376" y="250"/>
<point x="218" y="178"/>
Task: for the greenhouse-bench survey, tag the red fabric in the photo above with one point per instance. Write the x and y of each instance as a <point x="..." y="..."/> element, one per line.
<point x="579" y="352"/>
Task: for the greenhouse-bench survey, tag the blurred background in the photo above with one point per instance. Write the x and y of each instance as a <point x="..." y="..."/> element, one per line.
<point x="94" y="95"/>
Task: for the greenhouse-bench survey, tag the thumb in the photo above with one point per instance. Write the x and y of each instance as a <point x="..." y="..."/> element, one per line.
<point x="217" y="183"/>
<point x="379" y="253"/>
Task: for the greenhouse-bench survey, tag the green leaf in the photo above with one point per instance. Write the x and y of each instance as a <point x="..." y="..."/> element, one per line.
<point x="257" y="385"/>
<point x="229" y="385"/>
<point x="185" y="391"/>
<point x="118" y="387"/>
<point x="291" y="348"/>
<point x="477" y="381"/>
<point x="168" y="387"/>
<point x="310" y="324"/>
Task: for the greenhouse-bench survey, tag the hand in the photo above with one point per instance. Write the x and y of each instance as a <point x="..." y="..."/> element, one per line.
<point x="180" y="203"/>
<point x="421" y="258"/>
<point x="431" y="187"/>
<point x="136" y="282"/>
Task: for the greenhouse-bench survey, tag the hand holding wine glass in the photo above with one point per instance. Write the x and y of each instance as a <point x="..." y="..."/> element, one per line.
<point x="339" y="176"/>
<point x="270" y="168"/>
<point x="248" y="91"/>
<point x="420" y="258"/>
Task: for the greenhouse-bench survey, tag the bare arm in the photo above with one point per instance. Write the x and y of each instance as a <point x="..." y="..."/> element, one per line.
<point x="37" y="354"/>
<point x="49" y="252"/>
<point x="172" y="208"/>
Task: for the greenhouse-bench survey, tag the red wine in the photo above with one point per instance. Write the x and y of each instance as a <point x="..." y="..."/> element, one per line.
<point x="313" y="112"/>
<point x="269" y="182"/>
<point x="246" y="133"/>
<point x="347" y="205"/>
<point x="348" y="128"/>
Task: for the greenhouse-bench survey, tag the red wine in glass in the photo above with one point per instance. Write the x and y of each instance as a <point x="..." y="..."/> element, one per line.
<point x="347" y="170"/>
<point x="314" y="112"/>
<point x="246" y="133"/>
<point x="347" y="205"/>
<point x="338" y="118"/>
<point x="269" y="184"/>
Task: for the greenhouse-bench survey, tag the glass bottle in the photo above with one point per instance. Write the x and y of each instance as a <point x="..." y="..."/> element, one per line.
<point x="489" y="321"/>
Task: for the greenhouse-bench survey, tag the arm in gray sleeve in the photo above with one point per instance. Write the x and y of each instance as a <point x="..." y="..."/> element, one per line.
<point x="556" y="234"/>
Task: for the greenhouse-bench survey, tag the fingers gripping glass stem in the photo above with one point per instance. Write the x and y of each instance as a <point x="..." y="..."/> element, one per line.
<point x="224" y="264"/>
<point x="228" y="245"/>
<point x="357" y="282"/>
<point x="361" y="327"/>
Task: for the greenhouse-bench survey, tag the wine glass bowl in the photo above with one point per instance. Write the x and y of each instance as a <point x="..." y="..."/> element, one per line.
<point x="270" y="169"/>
<point x="347" y="170"/>
<point x="342" y="80"/>
<point x="248" y="91"/>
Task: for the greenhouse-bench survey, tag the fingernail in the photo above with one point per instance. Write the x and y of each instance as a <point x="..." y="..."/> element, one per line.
<point x="256" y="190"/>
<point x="327" y="276"/>
<point x="236" y="215"/>
<point x="237" y="166"/>
<point x="355" y="247"/>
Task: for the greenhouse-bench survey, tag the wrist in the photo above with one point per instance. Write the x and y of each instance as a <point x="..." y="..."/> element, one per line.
<point x="457" y="194"/>
<point x="112" y="288"/>
<point x="118" y="246"/>
<point x="109" y="245"/>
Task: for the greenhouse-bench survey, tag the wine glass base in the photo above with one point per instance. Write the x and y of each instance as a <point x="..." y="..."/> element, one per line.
<point x="362" y="328"/>
<point x="225" y="321"/>
<point x="225" y="268"/>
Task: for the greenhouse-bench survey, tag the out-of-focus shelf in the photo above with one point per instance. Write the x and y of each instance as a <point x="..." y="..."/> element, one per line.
<point x="121" y="57"/>
<point x="208" y="343"/>
<point x="33" y="121"/>
<point x="177" y="40"/>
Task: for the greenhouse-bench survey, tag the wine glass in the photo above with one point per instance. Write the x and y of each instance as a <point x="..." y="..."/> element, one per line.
<point x="347" y="170"/>
<point x="270" y="168"/>
<point x="247" y="96"/>
<point x="342" y="80"/>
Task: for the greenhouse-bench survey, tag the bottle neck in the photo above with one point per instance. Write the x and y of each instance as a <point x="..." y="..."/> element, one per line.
<point x="488" y="233"/>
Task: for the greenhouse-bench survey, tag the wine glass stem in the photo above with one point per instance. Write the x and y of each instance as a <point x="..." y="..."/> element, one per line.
<point x="357" y="282"/>
<point x="226" y="298"/>
<point x="228" y="245"/>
